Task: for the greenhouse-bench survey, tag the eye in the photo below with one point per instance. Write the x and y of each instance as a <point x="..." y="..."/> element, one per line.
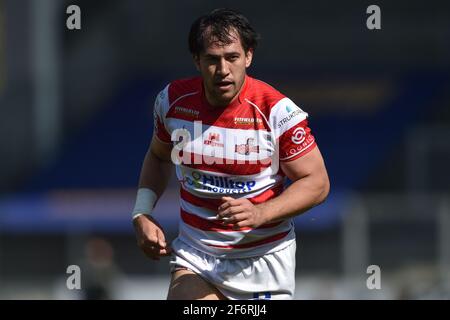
<point x="211" y="59"/>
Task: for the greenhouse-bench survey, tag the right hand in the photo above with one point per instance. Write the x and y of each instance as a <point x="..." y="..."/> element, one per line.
<point x="150" y="237"/>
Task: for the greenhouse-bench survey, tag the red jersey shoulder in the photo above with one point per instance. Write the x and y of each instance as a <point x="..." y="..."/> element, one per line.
<point x="263" y="95"/>
<point x="181" y="87"/>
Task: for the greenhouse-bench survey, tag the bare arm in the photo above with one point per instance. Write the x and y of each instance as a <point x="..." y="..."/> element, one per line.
<point x="310" y="187"/>
<point x="155" y="174"/>
<point x="157" y="167"/>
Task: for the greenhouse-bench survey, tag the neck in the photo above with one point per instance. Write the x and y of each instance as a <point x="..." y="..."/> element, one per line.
<point x="219" y="103"/>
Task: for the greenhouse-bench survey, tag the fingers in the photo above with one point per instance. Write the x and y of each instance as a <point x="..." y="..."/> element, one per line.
<point x="165" y="252"/>
<point x="230" y="206"/>
<point x="161" y="238"/>
<point x="155" y="252"/>
<point x="229" y="202"/>
<point x="237" y="218"/>
<point x="151" y="252"/>
<point x="165" y="249"/>
<point x="239" y="213"/>
<point x="151" y="240"/>
<point x="230" y="211"/>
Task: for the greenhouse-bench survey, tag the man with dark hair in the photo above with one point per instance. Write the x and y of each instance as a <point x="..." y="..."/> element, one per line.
<point x="236" y="237"/>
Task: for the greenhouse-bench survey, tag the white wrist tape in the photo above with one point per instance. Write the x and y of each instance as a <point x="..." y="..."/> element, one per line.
<point x="145" y="201"/>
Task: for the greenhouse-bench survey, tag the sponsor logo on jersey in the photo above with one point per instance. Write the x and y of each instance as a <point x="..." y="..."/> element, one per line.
<point x="307" y="141"/>
<point x="187" y="112"/>
<point x="298" y="136"/>
<point x="248" y="121"/>
<point x="213" y="140"/>
<point x="289" y="117"/>
<point x="247" y="148"/>
<point x="218" y="184"/>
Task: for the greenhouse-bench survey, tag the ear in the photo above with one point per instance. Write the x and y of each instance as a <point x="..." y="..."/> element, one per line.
<point x="248" y="58"/>
<point x="196" y="59"/>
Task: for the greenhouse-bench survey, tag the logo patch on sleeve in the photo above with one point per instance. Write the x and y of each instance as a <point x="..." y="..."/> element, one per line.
<point x="298" y="136"/>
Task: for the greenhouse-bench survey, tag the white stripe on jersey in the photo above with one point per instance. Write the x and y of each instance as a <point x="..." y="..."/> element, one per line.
<point x="199" y="211"/>
<point x="224" y="146"/>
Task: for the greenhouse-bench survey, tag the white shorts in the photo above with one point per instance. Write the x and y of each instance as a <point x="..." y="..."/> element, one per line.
<point x="267" y="277"/>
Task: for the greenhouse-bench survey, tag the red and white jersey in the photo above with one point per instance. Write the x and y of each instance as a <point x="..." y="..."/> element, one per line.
<point x="233" y="151"/>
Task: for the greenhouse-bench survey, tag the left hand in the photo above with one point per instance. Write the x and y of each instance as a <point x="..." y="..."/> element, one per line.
<point x="240" y="212"/>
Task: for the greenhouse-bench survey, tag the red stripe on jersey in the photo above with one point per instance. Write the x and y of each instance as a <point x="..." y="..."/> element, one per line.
<point x="253" y="243"/>
<point x="268" y="194"/>
<point x="302" y="153"/>
<point x="215" y="225"/>
<point x="223" y="165"/>
<point x="213" y="204"/>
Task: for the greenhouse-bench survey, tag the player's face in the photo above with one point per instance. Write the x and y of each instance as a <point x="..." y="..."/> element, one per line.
<point x="223" y="68"/>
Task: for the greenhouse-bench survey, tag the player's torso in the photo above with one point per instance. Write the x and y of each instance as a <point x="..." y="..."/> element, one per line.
<point x="222" y="151"/>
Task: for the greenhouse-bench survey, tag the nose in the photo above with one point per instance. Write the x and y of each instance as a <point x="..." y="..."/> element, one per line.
<point x="222" y="67"/>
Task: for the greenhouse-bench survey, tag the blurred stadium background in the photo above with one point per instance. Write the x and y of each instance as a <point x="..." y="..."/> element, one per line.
<point x="75" y="123"/>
